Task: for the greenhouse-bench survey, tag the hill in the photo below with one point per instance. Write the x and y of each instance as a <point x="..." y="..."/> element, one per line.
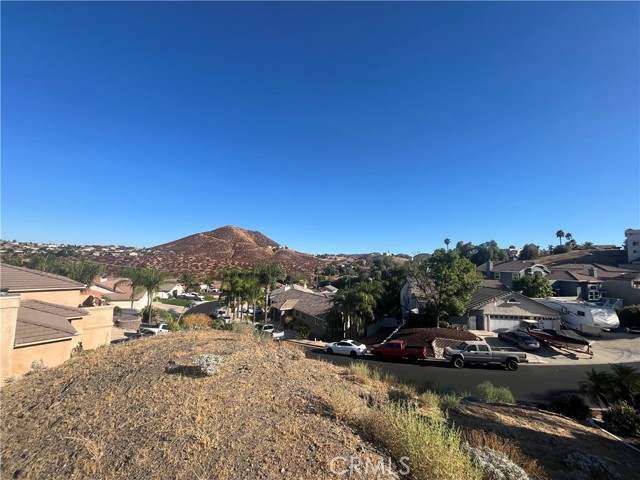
<point x="226" y="247"/>
<point x="142" y="410"/>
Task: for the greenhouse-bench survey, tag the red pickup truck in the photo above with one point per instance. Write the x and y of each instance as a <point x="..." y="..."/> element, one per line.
<point x="399" y="349"/>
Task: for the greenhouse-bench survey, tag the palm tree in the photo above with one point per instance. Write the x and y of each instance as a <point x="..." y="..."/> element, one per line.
<point x="232" y="285"/>
<point x="151" y="281"/>
<point x="85" y="272"/>
<point x="268" y="274"/>
<point x="598" y="387"/>
<point x="568" y="236"/>
<point x="626" y="383"/>
<point x="251" y="291"/>
<point x="133" y="278"/>
<point x="188" y="281"/>
<point x="560" y="235"/>
<point x="447" y="242"/>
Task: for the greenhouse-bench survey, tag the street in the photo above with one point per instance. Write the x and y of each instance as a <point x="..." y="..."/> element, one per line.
<point x="530" y="383"/>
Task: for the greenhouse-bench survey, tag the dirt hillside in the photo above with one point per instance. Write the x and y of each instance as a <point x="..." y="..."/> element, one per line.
<point x="142" y="410"/>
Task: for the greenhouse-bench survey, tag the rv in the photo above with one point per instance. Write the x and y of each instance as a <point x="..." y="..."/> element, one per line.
<point x="583" y="316"/>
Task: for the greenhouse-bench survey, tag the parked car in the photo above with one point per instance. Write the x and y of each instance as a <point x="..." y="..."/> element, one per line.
<point x="346" y="347"/>
<point x="159" y="329"/>
<point x="520" y="340"/>
<point x="482" y="353"/>
<point x="399" y="349"/>
<point x="264" y="328"/>
<point x="192" y="296"/>
<point x="259" y="311"/>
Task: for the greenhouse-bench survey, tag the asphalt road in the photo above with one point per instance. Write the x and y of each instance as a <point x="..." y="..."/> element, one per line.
<point x="530" y="383"/>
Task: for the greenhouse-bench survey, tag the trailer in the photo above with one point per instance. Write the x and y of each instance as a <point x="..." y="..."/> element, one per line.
<point x="583" y="316"/>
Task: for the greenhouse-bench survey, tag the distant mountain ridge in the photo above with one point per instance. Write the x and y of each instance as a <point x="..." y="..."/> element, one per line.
<point x="207" y="253"/>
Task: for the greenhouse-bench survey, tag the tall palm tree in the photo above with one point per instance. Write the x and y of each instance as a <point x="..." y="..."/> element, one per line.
<point x="560" y="235"/>
<point x="447" y="242"/>
<point x="626" y="383"/>
<point x="151" y="281"/>
<point x="268" y="274"/>
<point x="232" y="285"/>
<point x="568" y="236"/>
<point x="598" y="387"/>
<point x="188" y="281"/>
<point x="133" y="278"/>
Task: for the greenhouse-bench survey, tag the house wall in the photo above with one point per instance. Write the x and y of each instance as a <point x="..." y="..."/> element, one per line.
<point x="137" y="304"/>
<point x="70" y="298"/>
<point x="622" y="289"/>
<point x="8" y="316"/>
<point x="52" y="354"/>
<point x="95" y="329"/>
<point x="565" y="289"/>
<point x="633" y="244"/>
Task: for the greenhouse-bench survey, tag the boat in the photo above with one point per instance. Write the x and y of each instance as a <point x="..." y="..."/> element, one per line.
<point x="555" y="334"/>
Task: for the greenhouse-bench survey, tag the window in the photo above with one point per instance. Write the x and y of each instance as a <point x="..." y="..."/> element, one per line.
<point x="483" y="348"/>
<point x="580" y="313"/>
<point x="516" y="276"/>
<point x="513" y="300"/>
<point x="496" y="275"/>
<point x="472" y="348"/>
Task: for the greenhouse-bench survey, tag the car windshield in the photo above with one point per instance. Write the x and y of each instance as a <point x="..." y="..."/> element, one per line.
<point x="357" y="344"/>
<point x="461" y="346"/>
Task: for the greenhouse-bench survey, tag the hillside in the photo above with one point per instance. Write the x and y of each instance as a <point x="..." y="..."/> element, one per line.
<point x="141" y="410"/>
<point x="227" y="247"/>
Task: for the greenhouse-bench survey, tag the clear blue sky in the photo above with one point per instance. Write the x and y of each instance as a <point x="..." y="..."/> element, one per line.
<point x="329" y="127"/>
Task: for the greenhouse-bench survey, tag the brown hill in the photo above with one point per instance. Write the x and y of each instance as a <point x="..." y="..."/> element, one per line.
<point x="141" y="410"/>
<point x="207" y="253"/>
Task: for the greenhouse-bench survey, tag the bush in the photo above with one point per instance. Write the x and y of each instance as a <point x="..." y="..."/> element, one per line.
<point x="584" y="465"/>
<point x="117" y="311"/>
<point x="443" y="324"/>
<point x="158" y="314"/>
<point x="622" y="419"/>
<point x="208" y="363"/>
<point x="570" y="405"/>
<point x="629" y="316"/>
<point x="433" y="450"/>
<point x="492" y="394"/>
<point x="197" y="321"/>
<point x="496" y="465"/>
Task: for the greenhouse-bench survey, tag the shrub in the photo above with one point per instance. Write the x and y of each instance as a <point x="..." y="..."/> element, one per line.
<point x="197" y="321"/>
<point x="482" y="439"/>
<point x="443" y="324"/>
<point x="622" y="419"/>
<point x="433" y="450"/>
<point x="584" y="465"/>
<point x="496" y="465"/>
<point x="629" y="316"/>
<point x="208" y="363"/>
<point x="173" y="324"/>
<point x="117" y="311"/>
<point x="570" y="405"/>
<point x="492" y="394"/>
<point x="450" y="403"/>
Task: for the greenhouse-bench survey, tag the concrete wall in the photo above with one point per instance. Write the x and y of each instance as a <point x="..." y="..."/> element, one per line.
<point x="51" y="354"/>
<point x="8" y="316"/>
<point x="70" y="298"/>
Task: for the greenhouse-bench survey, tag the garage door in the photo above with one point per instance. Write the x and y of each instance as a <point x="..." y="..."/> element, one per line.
<point x="500" y="325"/>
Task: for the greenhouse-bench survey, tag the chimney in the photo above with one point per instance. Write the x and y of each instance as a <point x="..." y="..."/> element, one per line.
<point x="489" y="266"/>
<point x="593" y="272"/>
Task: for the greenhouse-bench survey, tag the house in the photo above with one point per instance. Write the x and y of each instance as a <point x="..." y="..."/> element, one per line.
<point x="169" y="289"/>
<point x="304" y="305"/>
<point x="576" y="280"/>
<point x="510" y="270"/>
<point x="411" y="300"/>
<point x="633" y="244"/>
<point x="497" y="308"/>
<point x="119" y="293"/>
<point x="42" y="320"/>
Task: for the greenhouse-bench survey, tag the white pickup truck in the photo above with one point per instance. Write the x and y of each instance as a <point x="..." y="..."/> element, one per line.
<point x="268" y="329"/>
<point x="481" y="352"/>
<point x="158" y="329"/>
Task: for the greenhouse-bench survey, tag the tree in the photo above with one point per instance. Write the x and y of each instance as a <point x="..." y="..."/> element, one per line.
<point x="529" y="252"/>
<point x="445" y="282"/>
<point x="268" y="274"/>
<point x="85" y="272"/>
<point x="533" y="286"/>
<point x="151" y="280"/>
<point x="558" y="249"/>
<point x="447" y="242"/>
<point x="587" y="245"/>
<point x="560" y="235"/>
<point x="232" y="285"/>
<point x="133" y="278"/>
<point x="356" y="306"/>
<point x="188" y="281"/>
<point x="488" y="251"/>
<point x="568" y="236"/>
<point x="598" y="387"/>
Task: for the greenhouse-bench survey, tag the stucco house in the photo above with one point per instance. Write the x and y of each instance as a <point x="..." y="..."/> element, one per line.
<point x="304" y="305"/>
<point x="42" y="320"/>
<point x="633" y="245"/>
<point x="119" y="293"/>
<point x="497" y="308"/>
<point x="508" y="271"/>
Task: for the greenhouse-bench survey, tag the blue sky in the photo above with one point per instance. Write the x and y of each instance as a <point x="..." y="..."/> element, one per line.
<point x="329" y="127"/>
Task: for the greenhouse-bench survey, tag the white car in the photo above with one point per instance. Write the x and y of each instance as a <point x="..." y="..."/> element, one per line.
<point x="262" y="328"/>
<point x="193" y="296"/>
<point x="346" y="347"/>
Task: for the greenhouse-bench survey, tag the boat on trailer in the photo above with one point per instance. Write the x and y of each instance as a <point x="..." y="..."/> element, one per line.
<point x="555" y="334"/>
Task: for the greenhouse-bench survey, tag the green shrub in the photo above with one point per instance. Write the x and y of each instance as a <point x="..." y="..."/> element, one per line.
<point x="443" y="324"/>
<point x="173" y="324"/>
<point x="492" y="394"/>
<point x="450" y="403"/>
<point x="431" y="449"/>
<point x="117" y="311"/>
<point x="622" y="419"/>
<point x="584" y="465"/>
<point x="570" y="405"/>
